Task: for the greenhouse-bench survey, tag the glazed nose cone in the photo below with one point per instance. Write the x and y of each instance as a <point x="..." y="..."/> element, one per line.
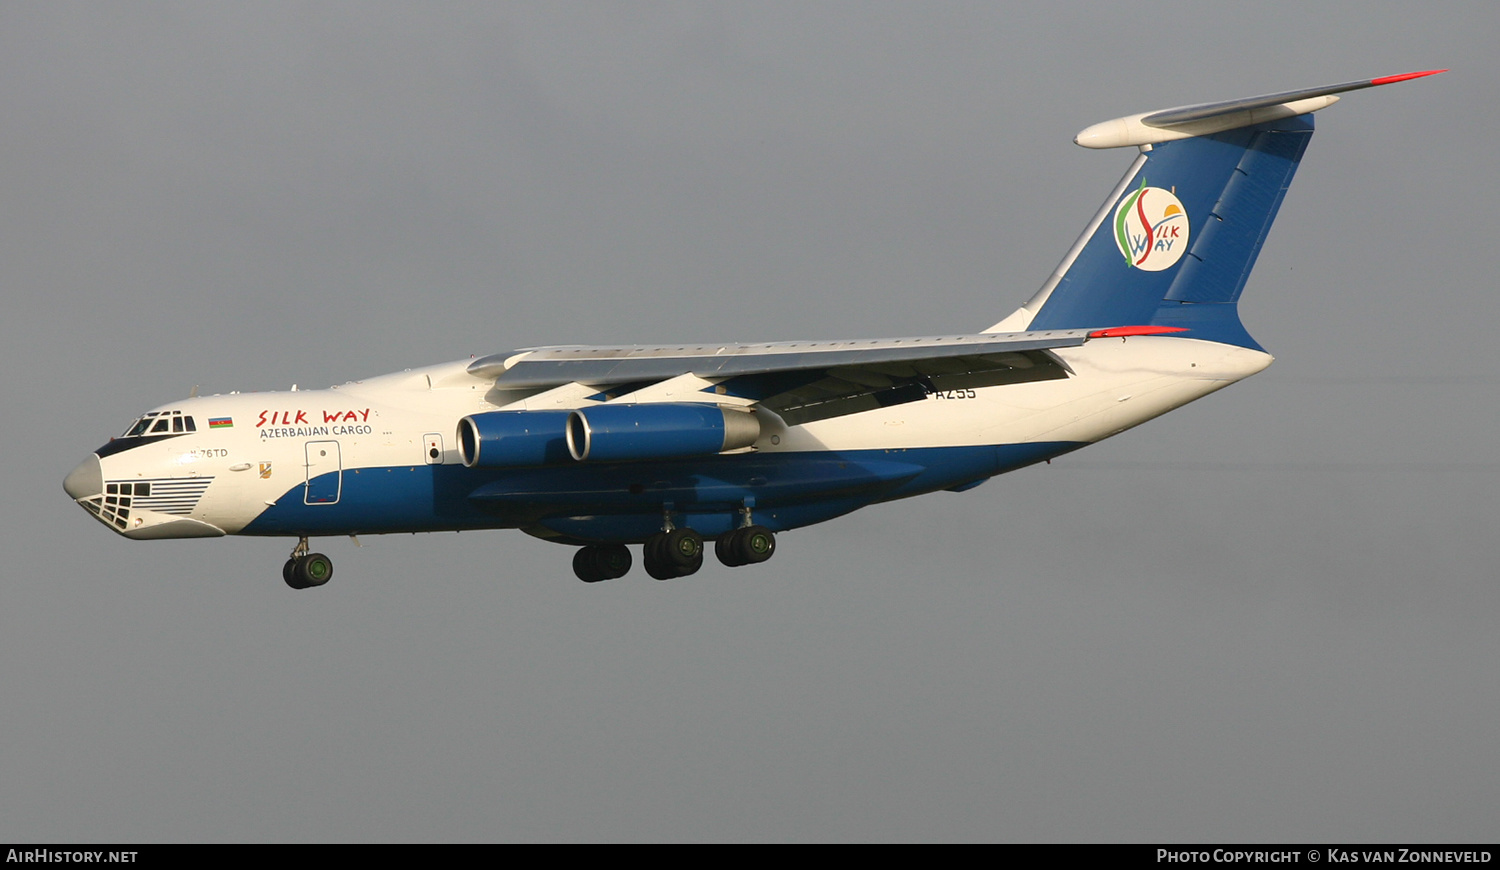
<point x="86" y="480"/>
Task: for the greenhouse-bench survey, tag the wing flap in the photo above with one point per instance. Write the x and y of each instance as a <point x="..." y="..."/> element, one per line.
<point x="844" y="390"/>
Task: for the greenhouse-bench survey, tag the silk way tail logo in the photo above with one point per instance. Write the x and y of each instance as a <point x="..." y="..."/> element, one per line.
<point x="1151" y="228"/>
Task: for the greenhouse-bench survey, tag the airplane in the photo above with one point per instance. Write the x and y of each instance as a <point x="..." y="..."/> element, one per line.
<point x="670" y="446"/>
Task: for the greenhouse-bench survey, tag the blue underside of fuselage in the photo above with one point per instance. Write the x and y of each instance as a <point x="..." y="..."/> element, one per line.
<point x="623" y="502"/>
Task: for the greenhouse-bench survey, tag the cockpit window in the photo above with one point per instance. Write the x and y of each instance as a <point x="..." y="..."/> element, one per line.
<point x="153" y="426"/>
<point x="161" y="423"/>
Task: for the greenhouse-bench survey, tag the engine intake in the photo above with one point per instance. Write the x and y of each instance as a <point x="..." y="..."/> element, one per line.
<point x="513" y="439"/>
<point x="627" y="433"/>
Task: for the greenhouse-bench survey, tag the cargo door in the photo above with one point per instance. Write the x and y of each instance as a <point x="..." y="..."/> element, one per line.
<point x="325" y="473"/>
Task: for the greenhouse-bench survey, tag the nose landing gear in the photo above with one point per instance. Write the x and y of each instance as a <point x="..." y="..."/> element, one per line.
<point x="305" y="570"/>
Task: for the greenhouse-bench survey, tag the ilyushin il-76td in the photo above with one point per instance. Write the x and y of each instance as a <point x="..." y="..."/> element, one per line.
<point x="670" y="447"/>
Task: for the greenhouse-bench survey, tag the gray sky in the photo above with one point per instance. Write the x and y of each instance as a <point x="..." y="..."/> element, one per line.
<point x="1269" y="615"/>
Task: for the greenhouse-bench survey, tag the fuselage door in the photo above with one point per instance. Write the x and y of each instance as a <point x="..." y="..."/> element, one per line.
<point x="325" y="475"/>
<point x="432" y="449"/>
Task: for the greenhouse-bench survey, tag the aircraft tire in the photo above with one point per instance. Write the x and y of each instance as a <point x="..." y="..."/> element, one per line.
<point x="585" y="567"/>
<point x="597" y="562"/>
<point x="691" y="567"/>
<point x="724" y="548"/>
<point x="754" y="544"/>
<point x="658" y="563"/>
<point x="684" y="547"/>
<point x="314" y="569"/>
<point x="289" y="574"/>
<point x="613" y="560"/>
<point x="659" y="569"/>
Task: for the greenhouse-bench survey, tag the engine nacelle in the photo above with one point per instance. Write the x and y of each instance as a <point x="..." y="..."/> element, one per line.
<point x="626" y="433"/>
<point x="513" y="439"/>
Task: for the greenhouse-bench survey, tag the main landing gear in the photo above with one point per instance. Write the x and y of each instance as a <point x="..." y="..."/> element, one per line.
<point x="601" y="562"/>
<point x="305" y="570"/>
<point x="676" y="552"/>
<point x="750" y="545"/>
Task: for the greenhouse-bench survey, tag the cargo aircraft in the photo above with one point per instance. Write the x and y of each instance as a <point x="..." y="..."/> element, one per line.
<point x="670" y="446"/>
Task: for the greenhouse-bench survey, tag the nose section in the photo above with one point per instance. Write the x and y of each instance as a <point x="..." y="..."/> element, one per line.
<point x="86" y="480"/>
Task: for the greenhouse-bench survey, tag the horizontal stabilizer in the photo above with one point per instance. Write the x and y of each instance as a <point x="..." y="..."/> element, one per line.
<point x="1206" y="119"/>
<point x="1173" y="244"/>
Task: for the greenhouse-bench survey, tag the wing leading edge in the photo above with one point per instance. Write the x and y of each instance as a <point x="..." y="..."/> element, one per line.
<point x="597" y="366"/>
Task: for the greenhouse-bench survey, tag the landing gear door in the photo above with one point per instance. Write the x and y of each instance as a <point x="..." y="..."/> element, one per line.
<point x="325" y="475"/>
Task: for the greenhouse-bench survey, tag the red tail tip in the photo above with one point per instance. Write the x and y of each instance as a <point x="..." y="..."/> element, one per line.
<point x="1385" y="80"/>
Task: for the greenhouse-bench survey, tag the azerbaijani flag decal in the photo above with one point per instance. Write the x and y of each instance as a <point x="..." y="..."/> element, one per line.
<point x="221" y="422"/>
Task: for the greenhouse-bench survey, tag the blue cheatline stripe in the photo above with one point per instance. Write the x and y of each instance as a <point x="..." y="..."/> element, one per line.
<point x="786" y="489"/>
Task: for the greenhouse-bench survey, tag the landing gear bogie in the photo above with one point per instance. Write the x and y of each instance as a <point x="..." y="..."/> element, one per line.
<point x="750" y="545"/>
<point x="677" y="553"/>
<point x="598" y="562"/>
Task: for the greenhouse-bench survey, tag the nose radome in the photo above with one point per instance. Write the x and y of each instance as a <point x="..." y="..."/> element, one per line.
<point x="86" y="480"/>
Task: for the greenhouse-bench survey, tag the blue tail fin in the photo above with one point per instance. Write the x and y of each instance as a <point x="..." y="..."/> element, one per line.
<point x="1177" y="242"/>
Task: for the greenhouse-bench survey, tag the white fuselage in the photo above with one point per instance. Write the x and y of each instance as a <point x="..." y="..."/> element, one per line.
<point x="250" y="453"/>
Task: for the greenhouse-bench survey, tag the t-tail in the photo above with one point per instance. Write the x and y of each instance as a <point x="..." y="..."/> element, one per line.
<point x="1172" y="247"/>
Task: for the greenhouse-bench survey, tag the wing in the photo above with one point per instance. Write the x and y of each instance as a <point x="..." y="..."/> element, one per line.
<point x="801" y="381"/>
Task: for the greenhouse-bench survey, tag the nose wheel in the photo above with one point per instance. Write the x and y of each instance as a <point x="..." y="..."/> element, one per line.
<point x="305" y="570"/>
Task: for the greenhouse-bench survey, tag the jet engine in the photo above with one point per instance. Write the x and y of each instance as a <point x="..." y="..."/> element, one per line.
<point x="626" y="433"/>
<point x="513" y="439"/>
